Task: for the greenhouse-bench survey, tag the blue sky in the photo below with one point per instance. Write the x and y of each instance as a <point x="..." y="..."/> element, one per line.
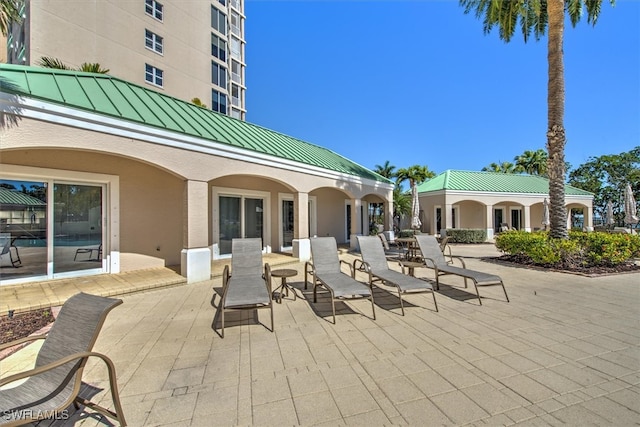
<point x="418" y="82"/>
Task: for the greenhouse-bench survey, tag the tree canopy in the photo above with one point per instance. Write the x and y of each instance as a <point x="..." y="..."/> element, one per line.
<point x="606" y="176"/>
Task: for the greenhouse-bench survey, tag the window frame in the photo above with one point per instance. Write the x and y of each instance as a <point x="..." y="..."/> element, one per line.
<point x="155" y="40"/>
<point x="219" y="14"/>
<point x="220" y="73"/>
<point x="218" y="49"/>
<point x="154" y="9"/>
<point x="156" y="73"/>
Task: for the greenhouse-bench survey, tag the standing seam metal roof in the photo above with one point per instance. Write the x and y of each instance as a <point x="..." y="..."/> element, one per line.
<point x="110" y="96"/>
<point x="492" y="182"/>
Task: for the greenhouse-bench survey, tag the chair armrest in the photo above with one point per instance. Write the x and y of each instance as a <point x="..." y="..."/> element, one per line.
<point x="49" y="366"/>
<point x="309" y="268"/>
<point x="352" y="270"/>
<point x="225" y="276"/>
<point x="22" y="341"/>
<point x="460" y="259"/>
<point x="267" y="277"/>
<point x="361" y="268"/>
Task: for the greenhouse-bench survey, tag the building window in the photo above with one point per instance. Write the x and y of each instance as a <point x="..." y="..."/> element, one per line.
<point x="218" y="21"/>
<point x="218" y="102"/>
<point x="236" y="49"/>
<point x="223" y="2"/>
<point x="235" y="23"/>
<point x="153" y="8"/>
<point x="153" y="41"/>
<point x="218" y="75"/>
<point x="236" y="72"/>
<point x="236" y="96"/>
<point x="218" y="48"/>
<point x="153" y="75"/>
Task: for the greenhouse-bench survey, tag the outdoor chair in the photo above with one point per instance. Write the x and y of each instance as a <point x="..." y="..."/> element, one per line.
<point x="55" y="381"/>
<point x="434" y="259"/>
<point x="6" y="244"/>
<point x="326" y="272"/>
<point x="446" y="249"/>
<point x="246" y="286"/>
<point x="89" y="251"/>
<point x="391" y="249"/>
<point x="375" y="264"/>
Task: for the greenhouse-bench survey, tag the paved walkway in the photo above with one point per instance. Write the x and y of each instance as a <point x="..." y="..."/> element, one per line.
<point x="565" y="350"/>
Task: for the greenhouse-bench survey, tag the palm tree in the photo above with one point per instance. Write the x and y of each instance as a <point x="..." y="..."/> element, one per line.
<point x="503" y="167"/>
<point x="536" y="15"/>
<point x="532" y="162"/>
<point x="9" y="12"/>
<point x="87" y="67"/>
<point x="415" y="174"/>
<point x="386" y="170"/>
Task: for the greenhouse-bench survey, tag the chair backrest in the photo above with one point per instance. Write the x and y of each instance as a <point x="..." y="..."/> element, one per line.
<point x="75" y="330"/>
<point x="5" y="243"/>
<point x="430" y="248"/>
<point x="385" y="243"/>
<point x="324" y="251"/>
<point x="246" y="257"/>
<point x="372" y="252"/>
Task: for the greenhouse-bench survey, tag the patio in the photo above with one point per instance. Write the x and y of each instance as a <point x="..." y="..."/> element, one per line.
<point x="565" y="350"/>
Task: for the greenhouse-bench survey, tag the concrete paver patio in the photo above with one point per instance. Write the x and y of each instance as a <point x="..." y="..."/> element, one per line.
<point x="565" y="350"/>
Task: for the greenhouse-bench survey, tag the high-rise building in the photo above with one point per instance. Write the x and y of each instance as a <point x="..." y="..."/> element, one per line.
<point x="186" y="49"/>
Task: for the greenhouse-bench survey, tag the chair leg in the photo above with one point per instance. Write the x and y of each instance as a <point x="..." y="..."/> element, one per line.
<point x="271" y="307"/>
<point x="505" y="291"/>
<point x="222" y="321"/>
<point x="401" y="304"/>
<point x="373" y="307"/>
<point x="434" y="299"/>
<point x="333" y="307"/>
<point x="477" y="291"/>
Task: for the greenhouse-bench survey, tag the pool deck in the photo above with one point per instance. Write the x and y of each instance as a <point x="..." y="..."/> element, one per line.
<point x="564" y="351"/>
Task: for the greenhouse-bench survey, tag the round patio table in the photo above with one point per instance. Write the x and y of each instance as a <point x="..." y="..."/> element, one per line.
<point x="283" y="274"/>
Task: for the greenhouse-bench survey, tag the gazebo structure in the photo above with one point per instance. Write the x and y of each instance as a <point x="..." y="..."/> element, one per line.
<point x="490" y="200"/>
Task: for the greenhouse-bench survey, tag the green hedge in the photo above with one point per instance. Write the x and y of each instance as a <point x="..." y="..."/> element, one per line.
<point x="585" y="249"/>
<point x="466" y="235"/>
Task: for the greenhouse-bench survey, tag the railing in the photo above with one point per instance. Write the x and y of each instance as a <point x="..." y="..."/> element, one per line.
<point x="235" y="77"/>
<point x="235" y="30"/>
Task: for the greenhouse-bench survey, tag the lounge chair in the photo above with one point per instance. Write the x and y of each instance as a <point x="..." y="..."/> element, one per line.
<point x="54" y="383"/>
<point x="6" y="245"/>
<point x="391" y="249"/>
<point x="434" y="258"/>
<point x="325" y="271"/>
<point x="446" y="249"/>
<point x="375" y="264"/>
<point x="246" y="287"/>
<point x="90" y="251"/>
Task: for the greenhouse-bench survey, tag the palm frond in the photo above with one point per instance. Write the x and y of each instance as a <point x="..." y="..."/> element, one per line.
<point x="49" y="62"/>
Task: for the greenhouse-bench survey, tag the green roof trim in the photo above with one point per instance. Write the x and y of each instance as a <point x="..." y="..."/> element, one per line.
<point x="493" y="182"/>
<point x="114" y="97"/>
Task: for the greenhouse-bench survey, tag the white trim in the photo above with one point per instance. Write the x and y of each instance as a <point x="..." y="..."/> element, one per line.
<point x="312" y="216"/>
<point x="62" y="115"/>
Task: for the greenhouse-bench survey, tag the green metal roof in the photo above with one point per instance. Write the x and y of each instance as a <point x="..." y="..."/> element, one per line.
<point x="110" y="96"/>
<point x="10" y="197"/>
<point x="493" y="182"/>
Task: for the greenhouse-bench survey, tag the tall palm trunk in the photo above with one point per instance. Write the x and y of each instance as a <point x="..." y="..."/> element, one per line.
<point x="556" y="137"/>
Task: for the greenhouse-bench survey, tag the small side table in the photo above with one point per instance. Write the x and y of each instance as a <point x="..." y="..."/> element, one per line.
<point x="411" y="266"/>
<point x="284" y="273"/>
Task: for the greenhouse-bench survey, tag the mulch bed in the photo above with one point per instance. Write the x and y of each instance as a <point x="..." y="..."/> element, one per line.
<point x="24" y="324"/>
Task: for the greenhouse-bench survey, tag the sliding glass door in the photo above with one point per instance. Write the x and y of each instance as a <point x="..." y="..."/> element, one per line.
<point x="239" y="216"/>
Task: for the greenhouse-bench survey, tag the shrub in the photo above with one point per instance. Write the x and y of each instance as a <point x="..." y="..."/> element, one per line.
<point x="466" y="235"/>
<point x="582" y="249"/>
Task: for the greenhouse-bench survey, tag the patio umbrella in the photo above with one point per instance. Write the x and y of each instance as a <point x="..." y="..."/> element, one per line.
<point x="545" y="214"/>
<point x="630" y="208"/>
<point x="415" y="208"/>
<point x="610" y="218"/>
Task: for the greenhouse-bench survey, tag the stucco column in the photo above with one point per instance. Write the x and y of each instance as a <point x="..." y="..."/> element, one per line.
<point x="588" y="218"/>
<point x="388" y="220"/>
<point x="195" y="262"/>
<point x="356" y="222"/>
<point x="301" y="244"/>
<point x="526" y="211"/>
<point x="489" y="222"/>
<point x="448" y="217"/>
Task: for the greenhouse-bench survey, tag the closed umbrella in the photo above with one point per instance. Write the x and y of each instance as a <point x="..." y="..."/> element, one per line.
<point x="610" y="219"/>
<point x="415" y="208"/>
<point x="630" y="208"/>
<point x="545" y="214"/>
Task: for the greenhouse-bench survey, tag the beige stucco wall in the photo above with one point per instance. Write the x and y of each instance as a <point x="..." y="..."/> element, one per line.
<point x="112" y="33"/>
<point x="155" y="176"/>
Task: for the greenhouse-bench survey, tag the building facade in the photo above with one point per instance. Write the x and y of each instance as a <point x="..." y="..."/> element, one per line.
<point x="185" y="49"/>
<point x="128" y="178"/>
